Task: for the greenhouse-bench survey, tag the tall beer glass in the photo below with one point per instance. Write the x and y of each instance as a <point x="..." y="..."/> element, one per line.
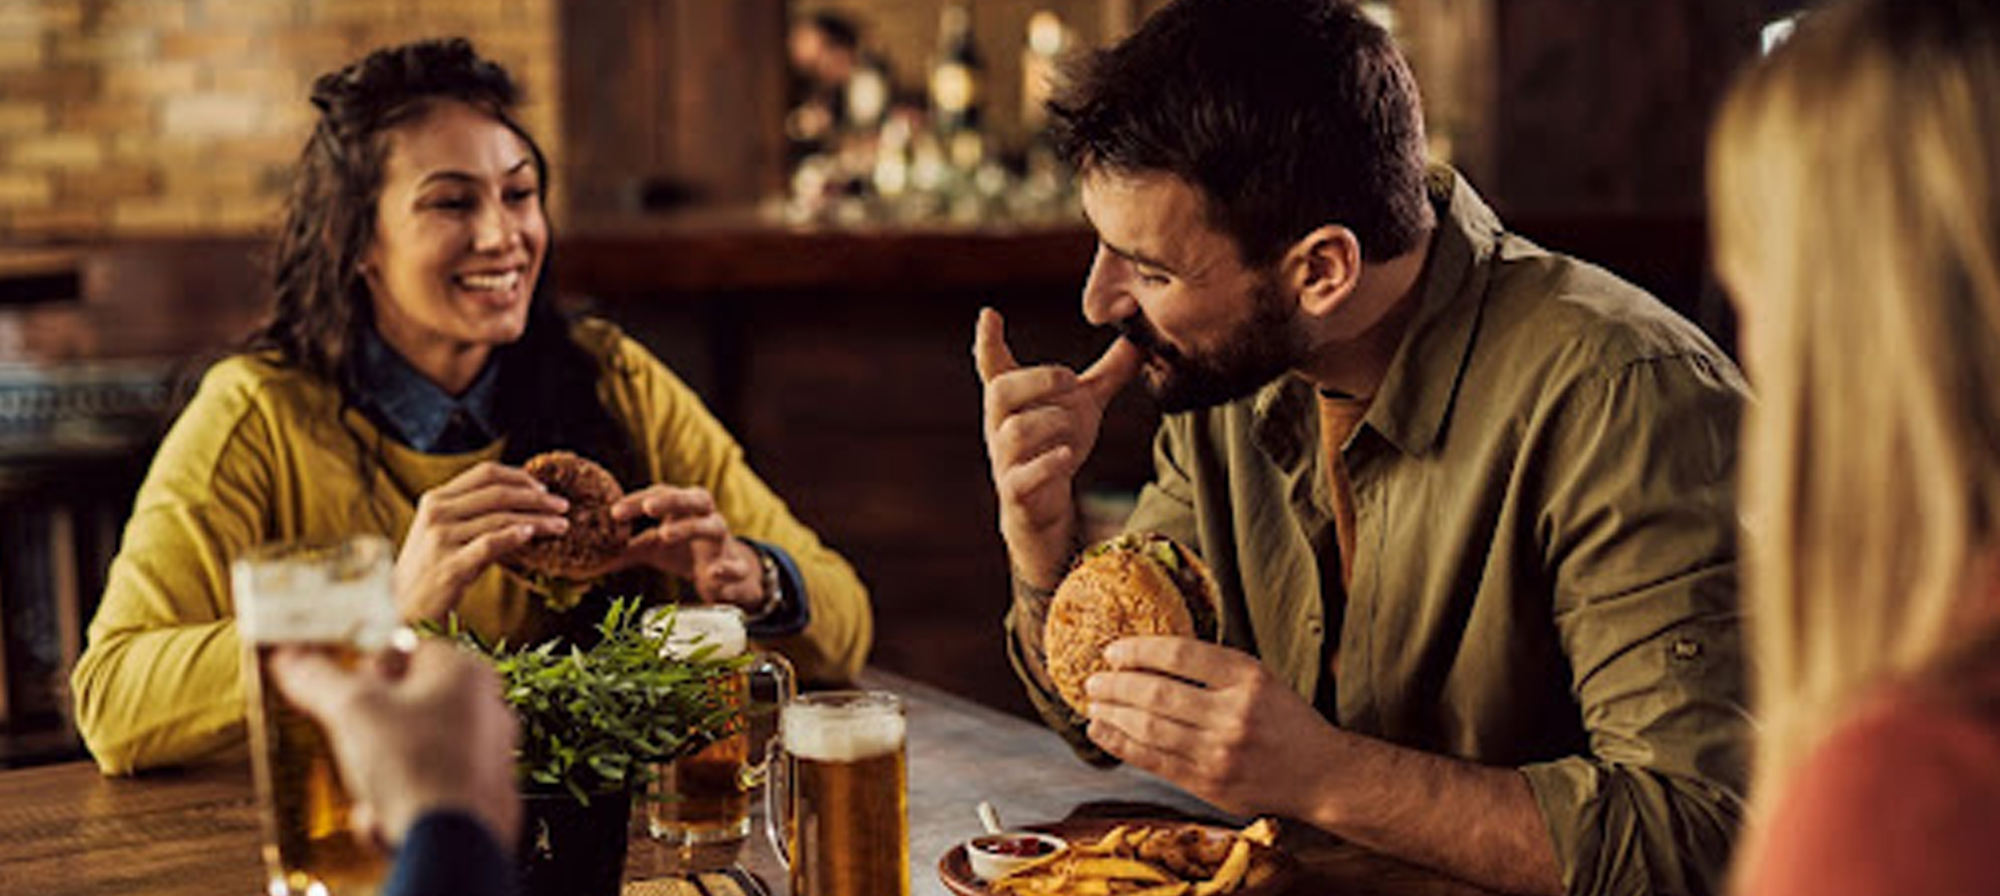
<point x="839" y="812"/>
<point x="333" y="597"/>
<point x="700" y="806"/>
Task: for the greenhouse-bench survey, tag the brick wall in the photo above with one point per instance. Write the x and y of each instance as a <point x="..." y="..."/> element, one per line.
<point x="129" y="117"/>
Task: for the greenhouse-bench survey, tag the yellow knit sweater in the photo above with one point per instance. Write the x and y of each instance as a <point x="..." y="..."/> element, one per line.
<point x="266" y="453"/>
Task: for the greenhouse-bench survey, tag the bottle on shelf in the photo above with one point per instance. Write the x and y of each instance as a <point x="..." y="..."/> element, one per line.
<point x="955" y="87"/>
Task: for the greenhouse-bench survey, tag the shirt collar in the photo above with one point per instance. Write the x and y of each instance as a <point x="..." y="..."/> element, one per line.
<point x="1422" y="380"/>
<point x="415" y="410"/>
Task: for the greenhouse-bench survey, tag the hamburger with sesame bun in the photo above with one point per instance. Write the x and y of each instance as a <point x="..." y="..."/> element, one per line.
<point x="593" y="539"/>
<point x="1140" y="583"/>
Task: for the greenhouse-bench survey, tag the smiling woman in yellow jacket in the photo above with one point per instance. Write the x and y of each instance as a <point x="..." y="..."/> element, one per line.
<point x="414" y="359"/>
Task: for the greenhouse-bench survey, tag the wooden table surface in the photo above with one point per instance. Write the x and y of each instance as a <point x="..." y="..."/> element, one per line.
<point x="67" y="831"/>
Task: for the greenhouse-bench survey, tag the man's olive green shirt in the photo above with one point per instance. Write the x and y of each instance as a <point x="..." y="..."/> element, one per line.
<point x="1545" y="551"/>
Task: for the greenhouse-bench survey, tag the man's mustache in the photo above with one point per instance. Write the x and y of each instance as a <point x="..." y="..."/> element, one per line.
<point x="1136" y="330"/>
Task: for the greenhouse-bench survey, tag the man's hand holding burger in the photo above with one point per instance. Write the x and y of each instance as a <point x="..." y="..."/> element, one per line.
<point x="1041" y="423"/>
<point x="1131" y="642"/>
<point x="1212" y="720"/>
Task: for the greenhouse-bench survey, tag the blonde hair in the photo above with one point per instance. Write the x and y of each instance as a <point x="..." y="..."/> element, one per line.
<point x="1855" y="192"/>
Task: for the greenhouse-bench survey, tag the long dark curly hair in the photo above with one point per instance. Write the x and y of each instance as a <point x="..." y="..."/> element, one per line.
<point x="547" y="385"/>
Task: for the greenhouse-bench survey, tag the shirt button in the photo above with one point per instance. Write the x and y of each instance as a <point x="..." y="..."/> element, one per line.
<point x="1686" y="648"/>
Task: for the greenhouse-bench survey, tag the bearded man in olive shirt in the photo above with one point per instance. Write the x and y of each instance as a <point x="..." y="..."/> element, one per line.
<point x="1468" y="502"/>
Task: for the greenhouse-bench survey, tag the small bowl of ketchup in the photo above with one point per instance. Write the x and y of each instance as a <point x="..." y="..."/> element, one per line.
<point x="993" y="855"/>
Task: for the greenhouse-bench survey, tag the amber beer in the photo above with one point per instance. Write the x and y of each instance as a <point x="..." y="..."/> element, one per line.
<point x="334" y="598"/>
<point x="701" y="803"/>
<point x="847" y="828"/>
<point x="705" y="798"/>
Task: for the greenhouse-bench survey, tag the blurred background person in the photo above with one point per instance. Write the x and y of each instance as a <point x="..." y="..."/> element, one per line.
<point x="425" y="749"/>
<point x="1855" y="188"/>
<point x="414" y="358"/>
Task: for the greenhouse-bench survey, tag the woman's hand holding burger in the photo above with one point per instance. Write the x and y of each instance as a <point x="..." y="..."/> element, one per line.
<point x="465" y="526"/>
<point x="564" y="519"/>
<point x="692" y="541"/>
<point x="689" y="537"/>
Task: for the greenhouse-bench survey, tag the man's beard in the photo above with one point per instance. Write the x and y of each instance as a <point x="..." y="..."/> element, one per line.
<point x="1257" y="351"/>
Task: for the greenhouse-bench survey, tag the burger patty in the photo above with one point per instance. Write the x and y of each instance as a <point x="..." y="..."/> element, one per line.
<point x="594" y="538"/>
<point x="1193" y="577"/>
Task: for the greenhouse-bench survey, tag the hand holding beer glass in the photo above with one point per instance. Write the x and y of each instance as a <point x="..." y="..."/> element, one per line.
<point x="838" y="804"/>
<point x="333" y="598"/>
<point x="700" y="806"/>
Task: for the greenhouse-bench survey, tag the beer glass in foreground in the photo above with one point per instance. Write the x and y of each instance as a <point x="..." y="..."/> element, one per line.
<point x="840" y="796"/>
<point x="700" y="806"/>
<point x="334" y="597"/>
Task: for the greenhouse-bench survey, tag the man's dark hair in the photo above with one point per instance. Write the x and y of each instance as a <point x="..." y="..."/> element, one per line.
<point x="1285" y="114"/>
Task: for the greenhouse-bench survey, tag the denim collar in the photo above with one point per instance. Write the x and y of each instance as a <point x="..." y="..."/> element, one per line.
<point x="415" y="410"/>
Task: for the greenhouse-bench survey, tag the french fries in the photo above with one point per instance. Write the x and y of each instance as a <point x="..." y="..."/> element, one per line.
<point x="1230" y="873"/>
<point x="1149" y="860"/>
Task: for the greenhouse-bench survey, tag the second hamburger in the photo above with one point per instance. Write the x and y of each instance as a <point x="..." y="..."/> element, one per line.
<point x="1140" y="583"/>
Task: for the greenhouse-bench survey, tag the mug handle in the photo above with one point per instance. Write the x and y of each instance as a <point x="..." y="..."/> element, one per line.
<point x="778" y="801"/>
<point x="780" y="671"/>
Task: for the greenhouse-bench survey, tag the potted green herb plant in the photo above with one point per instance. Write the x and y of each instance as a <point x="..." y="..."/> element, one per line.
<point x="596" y="722"/>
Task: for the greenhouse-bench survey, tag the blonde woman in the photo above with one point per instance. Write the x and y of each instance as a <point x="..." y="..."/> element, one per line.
<point x="1856" y="192"/>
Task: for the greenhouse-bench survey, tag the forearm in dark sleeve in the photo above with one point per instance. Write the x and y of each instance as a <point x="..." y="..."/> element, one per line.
<point x="452" y="853"/>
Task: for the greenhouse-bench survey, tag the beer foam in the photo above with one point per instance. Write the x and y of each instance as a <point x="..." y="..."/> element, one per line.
<point x="697" y="627"/>
<point x="842" y="733"/>
<point x="340" y="595"/>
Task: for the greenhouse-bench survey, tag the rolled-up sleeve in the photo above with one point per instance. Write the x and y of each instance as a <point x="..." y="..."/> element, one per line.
<point x="1639" y="532"/>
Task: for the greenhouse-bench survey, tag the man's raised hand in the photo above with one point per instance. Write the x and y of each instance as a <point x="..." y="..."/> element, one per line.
<point x="1041" y="423"/>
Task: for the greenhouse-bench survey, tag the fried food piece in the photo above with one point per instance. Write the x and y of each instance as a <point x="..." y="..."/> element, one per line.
<point x="1151" y="860"/>
<point x="1263" y="830"/>
<point x="1231" y="873"/>
<point x="1177" y="888"/>
<point x="1180" y="850"/>
<point x="1115" y="868"/>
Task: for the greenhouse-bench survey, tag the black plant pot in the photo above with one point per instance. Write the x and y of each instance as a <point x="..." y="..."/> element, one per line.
<point x="570" y="849"/>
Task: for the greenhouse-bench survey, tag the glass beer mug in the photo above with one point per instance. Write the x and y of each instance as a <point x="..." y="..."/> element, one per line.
<point x="700" y="805"/>
<point x="333" y="597"/>
<point x="837" y="810"/>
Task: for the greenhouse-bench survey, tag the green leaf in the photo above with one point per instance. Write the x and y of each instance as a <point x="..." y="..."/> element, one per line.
<point x="599" y="717"/>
